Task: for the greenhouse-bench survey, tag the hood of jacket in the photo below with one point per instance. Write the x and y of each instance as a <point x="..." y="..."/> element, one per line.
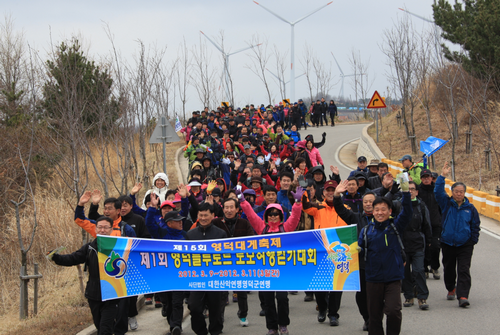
<point x="318" y="168"/>
<point x="162" y="176"/>
<point x="270" y="207"/>
<point x="196" y="163"/>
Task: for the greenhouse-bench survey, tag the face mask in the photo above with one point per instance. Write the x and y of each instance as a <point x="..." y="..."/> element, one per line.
<point x="260" y="160"/>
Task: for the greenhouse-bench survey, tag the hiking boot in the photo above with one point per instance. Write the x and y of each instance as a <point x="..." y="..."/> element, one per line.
<point x="435" y="274"/>
<point x="365" y="326"/>
<point x="283" y="330"/>
<point x="451" y="294"/>
<point x="243" y="322"/>
<point x="262" y="312"/>
<point x="132" y="322"/>
<point x="321" y="316"/>
<point x="422" y="304"/>
<point x="148" y="301"/>
<point x="272" y="332"/>
<point x="158" y="304"/>
<point x="334" y="321"/>
<point x="176" y="331"/>
<point x="463" y="302"/>
<point x="408" y="302"/>
<point x="309" y="297"/>
<point x="235" y="297"/>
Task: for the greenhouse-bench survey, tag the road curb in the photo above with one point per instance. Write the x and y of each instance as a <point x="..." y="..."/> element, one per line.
<point x="180" y="177"/>
<point x="337" y="154"/>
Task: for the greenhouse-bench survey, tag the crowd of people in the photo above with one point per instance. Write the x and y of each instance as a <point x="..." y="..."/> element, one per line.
<point x="251" y="173"/>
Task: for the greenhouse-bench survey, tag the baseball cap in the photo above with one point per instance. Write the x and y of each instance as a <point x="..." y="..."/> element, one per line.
<point x="361" y="159"/>
<point x="330" y="183"/>
<point x="167" y="203"/>
<point x="425" y="172"/>
<point x="247" y="146"/>
<point x="198" y="150"/>
<point x="256" y="180"/>
<point x="405" y="157"/>
<point x="173" y="216"/>
<point x="216" y="192"/>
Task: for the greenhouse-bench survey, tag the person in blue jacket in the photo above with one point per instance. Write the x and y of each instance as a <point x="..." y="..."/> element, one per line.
<point x="381" y="246"/>
<point x="460" y="232"/>
<point x="293" y="134"/>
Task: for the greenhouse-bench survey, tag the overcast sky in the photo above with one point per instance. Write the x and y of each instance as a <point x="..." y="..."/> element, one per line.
<point x="337" y="28"/>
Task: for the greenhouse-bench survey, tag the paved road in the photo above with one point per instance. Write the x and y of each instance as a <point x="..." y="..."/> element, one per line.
<point x="443" y="317"/>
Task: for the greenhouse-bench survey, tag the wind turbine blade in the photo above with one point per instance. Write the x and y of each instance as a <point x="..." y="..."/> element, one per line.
<point x="275" y="76"/>
<point x="311" y="13"/>
<point x="246" y="48"/>
<point x="270" y="11"/>
<point x="420" y="17"/>
<point x="341" y="72"/>
<point x="215" y="44"/>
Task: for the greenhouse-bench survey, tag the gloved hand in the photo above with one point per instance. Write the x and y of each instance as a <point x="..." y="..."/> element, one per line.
<point x="211" y="186"/>
<point x="405" y="186"/>
<point x="239" y="194"/>
<point x="267" y="157"/>
<point x="324" y="134"/>
<point x="395" y="188"/>
<point x="263" y="171"/>
<point x="226" y="161"/>
<point x="359" y="248"/>
<point x="51" y="253"/>
<point x="243" y="177"/>
<point x="297" y="195"/>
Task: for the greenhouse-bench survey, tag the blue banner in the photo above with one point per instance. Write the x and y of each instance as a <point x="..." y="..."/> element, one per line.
<point x="431" y="145"/>
<point x="313" y="260"/>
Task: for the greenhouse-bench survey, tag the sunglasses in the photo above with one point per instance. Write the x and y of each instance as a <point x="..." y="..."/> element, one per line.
<point x="274" y="214"/>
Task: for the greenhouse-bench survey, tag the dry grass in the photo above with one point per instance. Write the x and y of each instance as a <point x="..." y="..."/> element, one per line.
<point x="470" y="168"/>
<point x="62" y="307"/>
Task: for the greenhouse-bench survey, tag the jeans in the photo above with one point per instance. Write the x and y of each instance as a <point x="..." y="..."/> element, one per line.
<point x="415" y="276"/>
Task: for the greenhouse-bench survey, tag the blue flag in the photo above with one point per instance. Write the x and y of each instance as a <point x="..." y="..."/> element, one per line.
<point x="431" y="145"/>
<point x="178" y="125"/>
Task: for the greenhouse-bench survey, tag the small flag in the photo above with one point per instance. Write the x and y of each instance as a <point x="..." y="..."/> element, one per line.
<point x="178" y="125"/>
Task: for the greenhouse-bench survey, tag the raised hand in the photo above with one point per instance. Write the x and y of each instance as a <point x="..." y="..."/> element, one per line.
<point x="335" y="170"/>
<point x="96" y="197"/>
<point x="237" y="164"/>
<point x="137" y="187"/>
<point x="388" y="181"/>
<point x="182" y="190"/>
<point x="341" y="188"/>
<point x="84" y="198"/>
<point x="239" y="194"/>
<point x="297" y="195"/>
<point x="154" y="200"/>
<point x="446" y="169"/>
<point x="211" y="186"/>
<point x="209" y="199"/>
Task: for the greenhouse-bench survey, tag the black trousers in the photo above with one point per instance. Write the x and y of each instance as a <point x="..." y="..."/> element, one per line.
<point x="103" y="315"/>
<point x="173" y="300"/>
<point x="197" y="302"/>
<point x="132" y="307"/>
<point x="361" y="296"/>
<point x="384" y="298"/>
<point x="296" y="121"/>
<point x="303" y="121"/>
<point x="275" y="318"/>
<point x="121" y="324"/>
<point x="332" y="116"/>
<point x="432" y="254"/>
<point x="242" y="303"/>
<point x="457" y="260"/>
<point x="329" y="301"/>
<point x="323" y="116"/>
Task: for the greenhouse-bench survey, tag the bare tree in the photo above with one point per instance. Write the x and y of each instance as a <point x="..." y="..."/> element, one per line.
<point x="324" y="77"/>
<point x="183" y="76"/>
<point x="260" y="58"/>
<point x="281" y="67"/>
<point x="307" y="65"/>
<point x="203" y="76"/>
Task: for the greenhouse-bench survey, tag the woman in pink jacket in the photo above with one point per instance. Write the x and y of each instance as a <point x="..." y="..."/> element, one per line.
<point x="274" y="223"/>
<point x="314" y="154"/>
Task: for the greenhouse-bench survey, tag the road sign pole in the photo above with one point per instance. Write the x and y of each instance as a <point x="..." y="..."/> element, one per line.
<point x="376" y="123"/>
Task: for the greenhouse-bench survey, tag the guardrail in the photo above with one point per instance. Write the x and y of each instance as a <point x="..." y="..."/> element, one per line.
<point x="486" y="204"/>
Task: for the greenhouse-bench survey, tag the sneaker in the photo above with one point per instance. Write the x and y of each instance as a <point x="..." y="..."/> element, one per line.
<point x="334" y="321"/>
<point x="243" y="322"/>
<point x="158" y="304"/>
<point x="422" y="304"/>
<point x="235" y="297"/>
<point x="435" y="274"/>
<point x="309" y="297"/>
<point x="132" y="322"/>
<point x="451" y="294"/>
<point x="408" y="302"/>
<point x="148" y="301"/>
<point x="365" y="326"/>
<point x="463" y="302"/>
<point x="272" y="332"/>
<point x="164" y="312"/>
<point x="283" y="330"/>
<point x="321" y="316"/>
<point x="176" y="331"/>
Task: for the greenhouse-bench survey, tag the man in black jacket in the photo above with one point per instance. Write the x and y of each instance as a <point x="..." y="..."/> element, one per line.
<point x="206" y="230"/>
<point x="376" y="181"/>
<point x="426" y="193"/>
<point x="104" y="313"/>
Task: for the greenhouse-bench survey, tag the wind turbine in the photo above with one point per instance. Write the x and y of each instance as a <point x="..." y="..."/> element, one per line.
<point x="436" y="28"/>
<point x="228" y="96"/>
<point x="284" y="83"/>
<point x="342" y="76"/>
<point x="292" y="47"/>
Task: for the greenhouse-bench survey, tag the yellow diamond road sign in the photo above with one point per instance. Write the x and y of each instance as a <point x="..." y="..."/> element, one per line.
<point x="376" y="101"/>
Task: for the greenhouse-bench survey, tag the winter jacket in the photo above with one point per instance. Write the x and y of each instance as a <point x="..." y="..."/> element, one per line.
<point x="460" y="225"/>
<point x="326" y="217"/>
<point x="295" y="135"/>
<point x="160" y="192"/>
<point x="414" y="172"/>
<point x="234" y="228"/>
<point x="315" y="157"/>
<point x="86" y="254"/>
<point x="89" y="225"/>
<point x="418" y="233"/>
<point x="354" y="201"/>
<point x="353" y="172"/>
<point x="209" y="232"/>
<point x="283" y="200"/>
<point x="384" y="261"/>
<point x="426" y="193"/>
<point x="274" y="136"/>
<point x="374" y="182"/>
<point x="260" y="224"/>
<point x="332" y="109"/>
